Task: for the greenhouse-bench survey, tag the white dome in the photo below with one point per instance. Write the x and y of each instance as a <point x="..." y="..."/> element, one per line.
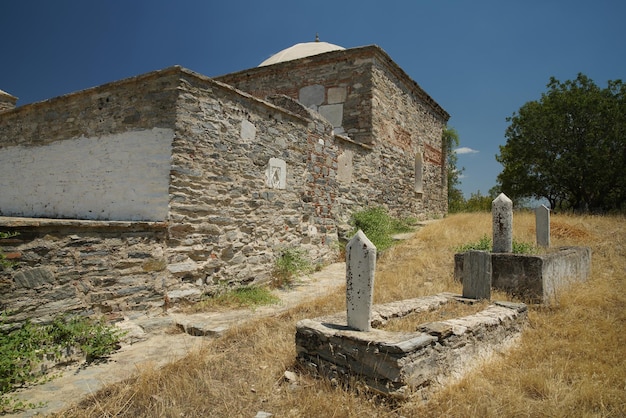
<point x="300" y="51"/>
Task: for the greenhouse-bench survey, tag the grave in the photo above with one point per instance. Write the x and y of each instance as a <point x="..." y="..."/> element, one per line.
<point x="351" y="347"/>
<point x="534" y="278"/>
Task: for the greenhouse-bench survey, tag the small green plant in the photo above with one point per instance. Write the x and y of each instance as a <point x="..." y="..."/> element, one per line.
<point x="4" y="263"/>
<point x="24" y="350"/>
<point x="290" y="263"/>
<point x="524" y="248"/>
<point x="242" y="297"/>
<point x="379" y="226"/>
<point x="485" y="244"/>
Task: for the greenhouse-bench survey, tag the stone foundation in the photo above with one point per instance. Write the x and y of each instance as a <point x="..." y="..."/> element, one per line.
<point x="399" y="364"/>
<point x="81" y="267"/>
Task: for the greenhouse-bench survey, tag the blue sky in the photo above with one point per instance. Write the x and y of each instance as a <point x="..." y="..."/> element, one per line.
<point x="480" y="60"/>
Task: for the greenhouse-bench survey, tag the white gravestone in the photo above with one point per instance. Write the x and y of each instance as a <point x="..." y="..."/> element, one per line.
<point x="542" y="226"/>
<point x="502" y="214"/>
<point x="360" y="268"/>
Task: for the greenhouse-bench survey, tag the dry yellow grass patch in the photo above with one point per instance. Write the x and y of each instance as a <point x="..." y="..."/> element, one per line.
<point x="450" y="310"/>
<point x="570" y="361"/>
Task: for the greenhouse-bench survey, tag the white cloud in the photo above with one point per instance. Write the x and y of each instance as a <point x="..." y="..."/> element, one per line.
<point x="465" y="150"/>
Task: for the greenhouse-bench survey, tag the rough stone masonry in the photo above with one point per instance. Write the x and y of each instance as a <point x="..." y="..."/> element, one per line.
<point x="209" y="180"/>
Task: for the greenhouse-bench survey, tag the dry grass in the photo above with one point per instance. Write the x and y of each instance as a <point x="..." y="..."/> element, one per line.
<point x="452" y="309"/>
<point x="570" y="361"/>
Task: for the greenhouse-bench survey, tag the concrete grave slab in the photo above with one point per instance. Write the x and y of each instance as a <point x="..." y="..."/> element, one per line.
<point x="536" y="278"/>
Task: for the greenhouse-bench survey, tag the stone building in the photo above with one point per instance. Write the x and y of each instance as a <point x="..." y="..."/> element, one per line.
<point x="172" y="184"/>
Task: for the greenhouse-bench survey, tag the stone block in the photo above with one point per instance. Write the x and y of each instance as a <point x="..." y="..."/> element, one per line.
<point x="360" y="269"/>
<point x="312" y="95"/>
<point x="337" y="95"/>
<point x="502" y="214"/>
<point x="477" y="275"/>
<point x="333" y="113"/>
<point x="33" y="278"/>
<point x="542" y="226"/>
<point x="248" y="130"/>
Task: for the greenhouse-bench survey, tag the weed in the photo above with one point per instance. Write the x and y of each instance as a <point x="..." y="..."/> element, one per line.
<point x="484" y="244"/>
<point x="291" y="263"/>
<point x="24" y="350"/>
<point x="4" y="263"/>
<point x="243" y="297"/>
<point x="524" y="248"/>
<point x="379" y="226"/>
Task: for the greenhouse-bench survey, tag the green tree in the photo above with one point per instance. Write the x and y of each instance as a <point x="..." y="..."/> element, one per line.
<point x="455" y="196"/>
<point x="569" y="147"/>
<point x="478" y="203"/>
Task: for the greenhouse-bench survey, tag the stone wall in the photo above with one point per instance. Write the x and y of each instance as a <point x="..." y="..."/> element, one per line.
<point x="409" y="129"/>
<point x="384" y="120"/>
<point x="229" y="219"/>
<point x="101" y="153"/>
<point x="82" y="267"/>
<point x="208" y="184"/>
<point x="536" y="278"/>
<point x="403" y="364"/>
<point x="245" y="180"/>
<point x="337" y="85"/>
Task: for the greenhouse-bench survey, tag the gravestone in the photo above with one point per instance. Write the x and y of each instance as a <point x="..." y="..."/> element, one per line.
<point x="360" y="268"/>
<point x="502" y="214"/>
<point x="477" y="275"/>
<point x="542" y="226"/>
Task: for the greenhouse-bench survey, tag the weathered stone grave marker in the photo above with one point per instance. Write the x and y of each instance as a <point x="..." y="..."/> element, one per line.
<point x="502" y="214"/>
<point x="477" y="275"/>
<point x="542" y="226"/>
<point x="360" y="268"/>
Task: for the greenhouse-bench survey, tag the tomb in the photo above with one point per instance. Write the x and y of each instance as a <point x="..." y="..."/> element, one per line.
<point x="534" y="278"/>
<point x="402" y="363"/>
<point x="352" y="347"/>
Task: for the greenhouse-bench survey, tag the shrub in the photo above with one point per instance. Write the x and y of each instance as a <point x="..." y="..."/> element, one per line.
<point x="378" y="226"/>
<point x="290" y="263"/>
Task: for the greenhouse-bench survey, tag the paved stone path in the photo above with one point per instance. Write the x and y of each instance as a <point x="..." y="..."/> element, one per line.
<point x="151" y="344"/>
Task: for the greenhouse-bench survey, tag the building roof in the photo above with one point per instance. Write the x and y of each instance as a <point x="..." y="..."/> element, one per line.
<point x="7" y="95"/>
<point x="301" y="50"/>
<point x="338" y="54"/>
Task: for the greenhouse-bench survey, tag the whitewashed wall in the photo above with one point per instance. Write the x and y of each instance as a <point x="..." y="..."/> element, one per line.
<point x="121" y="176"/>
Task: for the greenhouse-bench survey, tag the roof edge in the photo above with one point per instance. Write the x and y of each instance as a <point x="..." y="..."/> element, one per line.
<point x="376" y="50"/>
<point x="175" y="69"/>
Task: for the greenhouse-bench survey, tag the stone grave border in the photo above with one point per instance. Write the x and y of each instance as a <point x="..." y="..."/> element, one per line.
<point x="345" y="346"/>
<point x="401" y="364"/>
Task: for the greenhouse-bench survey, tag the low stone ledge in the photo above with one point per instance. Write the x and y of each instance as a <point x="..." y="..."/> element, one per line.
<point x="21" y="222"/>
<point x="401" y="363"/>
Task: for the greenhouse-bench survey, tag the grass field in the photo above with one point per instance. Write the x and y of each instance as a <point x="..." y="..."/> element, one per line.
<point x="570" y="360"/>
